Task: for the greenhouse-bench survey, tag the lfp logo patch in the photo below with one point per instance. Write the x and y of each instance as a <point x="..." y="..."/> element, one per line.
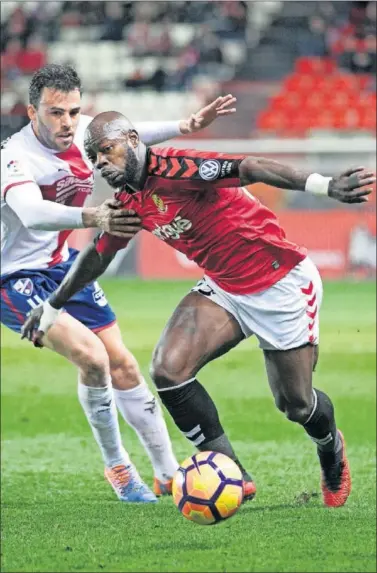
<point x="14" y="167"/>
<point x="24" y="286"/>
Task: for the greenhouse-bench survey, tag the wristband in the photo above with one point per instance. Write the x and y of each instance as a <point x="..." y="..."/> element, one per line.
<point x="317" y="184"/>
<point x="50" y="314"/>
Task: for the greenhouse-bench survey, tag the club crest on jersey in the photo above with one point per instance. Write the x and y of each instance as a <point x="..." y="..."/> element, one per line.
<point x="209" y="169"/>
<point x="159" y="203"/>
<point x="14" y="167"/>
<point x="24" y="286"/>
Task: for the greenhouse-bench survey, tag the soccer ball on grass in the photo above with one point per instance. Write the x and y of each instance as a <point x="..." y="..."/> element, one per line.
<point x="208" y="488"/>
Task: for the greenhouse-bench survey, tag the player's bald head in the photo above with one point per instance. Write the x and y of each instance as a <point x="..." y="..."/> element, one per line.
<point x="110" y="142"/>
<point x="108" y="125"/>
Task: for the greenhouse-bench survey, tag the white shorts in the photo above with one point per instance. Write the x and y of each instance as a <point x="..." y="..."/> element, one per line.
<point x="283" y="317"/>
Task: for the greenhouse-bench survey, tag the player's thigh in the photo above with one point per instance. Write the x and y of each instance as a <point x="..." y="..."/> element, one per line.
<point x="71" y="339"/>
<point x="124" y="369"/>
<point x="25" y="290"/>
<point x="90" y="307"/>
<point x="198" y="331"/>
<point x="286" y="322"/>
<point x="20" y="293"/>
<point x="289" y="374"/>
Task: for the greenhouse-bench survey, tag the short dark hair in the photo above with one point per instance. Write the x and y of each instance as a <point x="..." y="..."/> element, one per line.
<point x="61" y="77"/>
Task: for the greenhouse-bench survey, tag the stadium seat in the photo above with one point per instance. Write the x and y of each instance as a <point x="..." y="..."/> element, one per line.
<point x="234" y="52"/>
<point x="343" y="82"/>
<point x="300" y="82"/>
<point x="182" y="34"/>
<point x="315" y="66"/>
<point x="285" y="101"/>
<point x="57" y="53"/>
<point x="275" y="121"/>
<point x="317" y="95"/>
<point x="313" y="100"/>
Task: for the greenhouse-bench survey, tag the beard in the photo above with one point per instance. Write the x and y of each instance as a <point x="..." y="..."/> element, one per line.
<point x="132" y="166"/>
<point x="130" y="173"/>
<point x="50" y="139"/>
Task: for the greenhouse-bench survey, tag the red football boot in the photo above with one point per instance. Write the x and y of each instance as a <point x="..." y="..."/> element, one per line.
<point x="336" y="480"/>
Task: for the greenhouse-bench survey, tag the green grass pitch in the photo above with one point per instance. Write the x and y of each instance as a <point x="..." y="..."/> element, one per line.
<point x="58" y="513"/>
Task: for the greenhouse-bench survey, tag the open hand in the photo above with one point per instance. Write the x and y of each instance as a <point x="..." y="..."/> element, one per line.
<point x="205" y="116"/>
<point x="352" y="186"/>
<point x="112" y="218"/>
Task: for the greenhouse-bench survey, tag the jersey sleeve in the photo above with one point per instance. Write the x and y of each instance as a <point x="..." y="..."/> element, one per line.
<point x="152" y="132"/>
<point x="196" y="170"/>
<point x="107" y="244"/>
<point x="14" y="171"/>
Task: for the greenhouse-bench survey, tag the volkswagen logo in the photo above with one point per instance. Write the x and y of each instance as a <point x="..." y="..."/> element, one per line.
<point x="209" y="169"/>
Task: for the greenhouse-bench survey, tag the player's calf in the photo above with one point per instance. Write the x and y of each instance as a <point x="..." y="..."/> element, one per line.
<point x="196" y="415"/>
<point x="335" y="471"/>
<point x="138" y="406"/>
<point x="318" y="420"/>
<point x="290" y="377"/>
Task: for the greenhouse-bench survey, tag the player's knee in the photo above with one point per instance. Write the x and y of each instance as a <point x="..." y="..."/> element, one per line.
<point x="296" y="410"/>
<point x="169" y="367"/>
<point x="124" y="370"/>
<point x="92" y="360"/>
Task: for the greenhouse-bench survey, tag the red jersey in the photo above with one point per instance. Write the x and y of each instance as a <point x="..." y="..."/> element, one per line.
<point x="193" y="201"/>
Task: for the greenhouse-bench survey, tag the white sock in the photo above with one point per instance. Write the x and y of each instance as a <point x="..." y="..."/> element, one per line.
<point x="142" y="411"/>
<point x="100" y="410"/>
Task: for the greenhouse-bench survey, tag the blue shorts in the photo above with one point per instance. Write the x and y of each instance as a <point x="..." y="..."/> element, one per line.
<point x="24" y="290"/>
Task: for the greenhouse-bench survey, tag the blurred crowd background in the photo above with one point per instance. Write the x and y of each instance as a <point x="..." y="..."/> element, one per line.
<point x="304" y="74"/>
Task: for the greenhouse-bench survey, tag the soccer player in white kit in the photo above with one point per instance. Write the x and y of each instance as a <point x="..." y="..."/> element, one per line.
<point x="45" y="180"/>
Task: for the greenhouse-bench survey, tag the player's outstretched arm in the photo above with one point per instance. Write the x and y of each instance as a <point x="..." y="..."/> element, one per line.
<point x="34" y="212"/>
<point x="153" y="132"/>
<point x="352" y="186"/>
<point x="89" y="265"/>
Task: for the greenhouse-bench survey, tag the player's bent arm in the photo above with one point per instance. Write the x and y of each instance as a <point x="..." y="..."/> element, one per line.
<point x="349" y="187"/>
<point x="89" y="265"/>
<point x="27" y="202"/>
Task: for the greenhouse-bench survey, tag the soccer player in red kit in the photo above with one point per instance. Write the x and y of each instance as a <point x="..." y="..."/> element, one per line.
<point x="255" y="282"/>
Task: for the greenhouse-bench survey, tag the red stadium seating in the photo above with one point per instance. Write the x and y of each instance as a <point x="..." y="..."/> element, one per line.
<point x="315" y="66"/>
<point x="318" y="95"/>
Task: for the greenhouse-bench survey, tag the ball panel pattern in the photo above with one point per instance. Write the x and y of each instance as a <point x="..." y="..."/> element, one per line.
<point x="208" y="488"/>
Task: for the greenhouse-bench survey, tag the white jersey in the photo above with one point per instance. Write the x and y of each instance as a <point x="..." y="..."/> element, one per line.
<point x="63" y="177"/>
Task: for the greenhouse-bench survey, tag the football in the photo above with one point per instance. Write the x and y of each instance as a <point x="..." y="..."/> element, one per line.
<point x="208" y="488"/>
